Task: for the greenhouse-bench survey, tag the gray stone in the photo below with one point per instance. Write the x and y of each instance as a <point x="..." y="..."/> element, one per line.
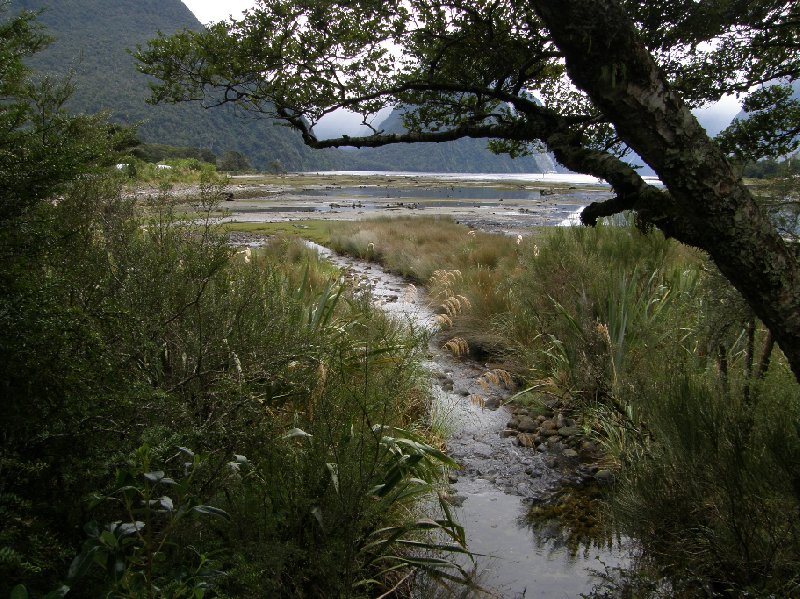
<point x="568" y="431"/>
<point x="509" y="432"/>
<point x="456" y="500"/>
<point x="553" y="439"/>
<point x="513" y="423"/>
<point x="548" y="425"/>
<point x="569" y="453"/>
<point x="527" y="424"/>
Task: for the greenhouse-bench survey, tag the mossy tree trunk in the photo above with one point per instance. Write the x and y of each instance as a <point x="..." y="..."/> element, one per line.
<point x="708" y="205"/>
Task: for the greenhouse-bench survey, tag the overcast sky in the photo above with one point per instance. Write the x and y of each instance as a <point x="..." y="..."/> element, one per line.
<point x="216" y="10"/>
<point x="714" y="118"/>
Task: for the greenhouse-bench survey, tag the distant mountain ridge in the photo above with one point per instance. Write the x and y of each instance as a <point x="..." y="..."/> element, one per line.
<point x="466" y="155"/>
<point x="93" y="38"/>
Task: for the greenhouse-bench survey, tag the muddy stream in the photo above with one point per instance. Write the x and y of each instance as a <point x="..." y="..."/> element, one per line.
<point x="499" y="480"/>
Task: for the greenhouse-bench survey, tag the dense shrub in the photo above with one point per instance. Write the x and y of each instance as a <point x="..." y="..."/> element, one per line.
<point x="134" y="333"/>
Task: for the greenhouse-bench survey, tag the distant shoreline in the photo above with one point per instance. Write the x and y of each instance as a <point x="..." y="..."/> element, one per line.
<point x="569" y="178"/>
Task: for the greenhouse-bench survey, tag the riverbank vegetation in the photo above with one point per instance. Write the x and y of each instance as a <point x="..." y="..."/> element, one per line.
<point x="694" y="405"/>
<point x="200" y="418"/>
<point x="180" y="418"/>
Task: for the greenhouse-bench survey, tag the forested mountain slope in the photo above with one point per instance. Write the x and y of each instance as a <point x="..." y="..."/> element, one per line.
<point x="92" y="37"/>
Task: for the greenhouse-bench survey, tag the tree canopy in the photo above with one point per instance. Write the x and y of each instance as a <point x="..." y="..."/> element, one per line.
<point x="588" y="79"/>
<point x="42" y="148"/>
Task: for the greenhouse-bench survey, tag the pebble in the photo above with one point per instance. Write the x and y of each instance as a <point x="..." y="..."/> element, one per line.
<point x="456" y="500"/>
<point x="526" y="439"/>
<point x="549" y="425"/>
<point x="527" y="424"/>
<point x="568" y="431"/>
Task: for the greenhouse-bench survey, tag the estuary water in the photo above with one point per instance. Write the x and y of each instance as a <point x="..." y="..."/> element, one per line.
<point x="568" y="178"/>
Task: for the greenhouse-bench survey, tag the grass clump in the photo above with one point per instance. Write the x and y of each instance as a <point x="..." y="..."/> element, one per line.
<point x="416" y="247"/>
<point x="314" y="230"/>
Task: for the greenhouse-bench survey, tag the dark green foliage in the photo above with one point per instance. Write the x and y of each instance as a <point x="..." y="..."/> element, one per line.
<point x="147" y="330"/>
<point x="719" y="476"/>
<point x="130" y="334"/>
<point x="770" y="168"/>
<point x="696" y="410"/>
<point x="155" y="153"/>
<point x="232" y="161"/>
<point x="769" y="125"/>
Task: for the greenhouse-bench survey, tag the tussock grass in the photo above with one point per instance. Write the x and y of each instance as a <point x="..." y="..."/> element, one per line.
<point x="415" y="247"/>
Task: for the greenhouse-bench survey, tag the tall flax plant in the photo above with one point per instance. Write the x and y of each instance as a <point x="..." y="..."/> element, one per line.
<point x="336" y="488"/>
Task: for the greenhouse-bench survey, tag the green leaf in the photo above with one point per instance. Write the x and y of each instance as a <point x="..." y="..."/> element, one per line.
<point x="128" y="528"/>
<point x="187" y="451"/>
<point x="334" y="471"/>
<point x="296" y="432"/>
<point x="19" y="592"/>
<point x="209" y="509"/>
<point x="58" y="593"/>
<point x="108" y="538"/>
<point x="82" y="561"/>
<point x="158" y="476"/>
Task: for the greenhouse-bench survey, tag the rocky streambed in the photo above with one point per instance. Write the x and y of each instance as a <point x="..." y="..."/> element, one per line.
<point x="515" y="462"/>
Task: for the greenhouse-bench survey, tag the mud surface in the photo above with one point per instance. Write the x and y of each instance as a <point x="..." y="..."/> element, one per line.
<point x="504" y="205"/>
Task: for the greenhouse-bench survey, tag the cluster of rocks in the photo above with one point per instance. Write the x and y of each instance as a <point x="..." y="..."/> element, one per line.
<point x="557" y="436"/>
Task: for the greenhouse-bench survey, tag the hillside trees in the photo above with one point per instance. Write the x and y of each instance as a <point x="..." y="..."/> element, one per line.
<point x="610" y="74"/>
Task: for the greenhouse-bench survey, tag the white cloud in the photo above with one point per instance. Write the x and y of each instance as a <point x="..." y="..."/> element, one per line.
<point x="717" y="116"/>
<point x="207" y="11"/>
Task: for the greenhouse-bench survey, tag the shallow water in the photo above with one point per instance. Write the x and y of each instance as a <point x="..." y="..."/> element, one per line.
<point x="498" y="480"/>
<point x="452" y="192"/>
